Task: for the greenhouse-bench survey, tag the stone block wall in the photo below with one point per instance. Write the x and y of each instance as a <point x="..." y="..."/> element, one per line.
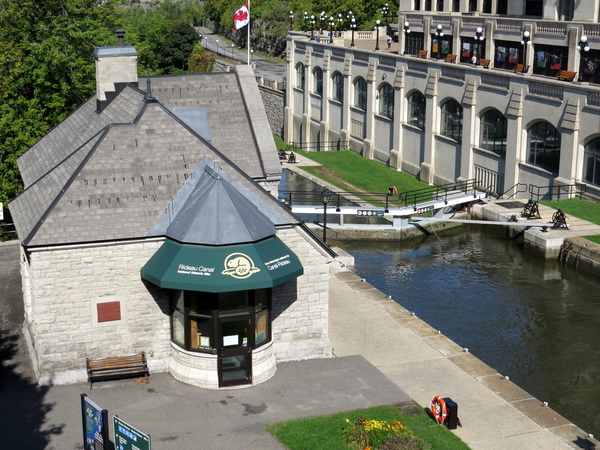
<point x="274" y="102"/>
<point x="63" y="289"/>
<point x="300" y="316"/>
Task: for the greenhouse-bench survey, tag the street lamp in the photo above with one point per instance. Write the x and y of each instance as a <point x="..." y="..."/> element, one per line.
<point x="406" y="33"/>
<point x="352" y="27"/>
<point x="386" y="11"/>
<point x="331" y="24"/>
<point x="525" y="41"/>
<point x="252" y="53"/>
<point x="340" y="20"/>
<point x="325" y="197"/>
<point x="583" y="46"/>
<point x="217" y="46"/>
<point x="291" y="20"/>
<point x="232" y="51"/>
<point x="377" y="22"/>
<point x="439" y="32"/>
<point x="312" y="26"/>
<point x="479" y="37"/>
<point x="305" y="20"/>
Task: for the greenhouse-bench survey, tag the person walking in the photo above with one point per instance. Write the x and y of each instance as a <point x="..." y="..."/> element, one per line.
<point x="389" y="42"/>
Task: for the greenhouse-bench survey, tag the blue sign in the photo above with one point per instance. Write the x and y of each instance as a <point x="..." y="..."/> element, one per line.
<point x="95" y="425"/>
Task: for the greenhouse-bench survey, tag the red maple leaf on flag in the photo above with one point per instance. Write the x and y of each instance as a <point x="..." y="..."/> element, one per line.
<point x="241" y="17"/>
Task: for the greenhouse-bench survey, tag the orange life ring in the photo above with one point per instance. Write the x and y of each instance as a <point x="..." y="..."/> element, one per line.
<point x="439" y="409"/>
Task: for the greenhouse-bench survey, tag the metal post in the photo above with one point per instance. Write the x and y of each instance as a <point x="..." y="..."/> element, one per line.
<point x="406" y="33"/>
<point x="525" y="41"/>
<point x="291" y="20"/>
<point x="312" y="26"/>
<point x="479" y="37"/>
<point x="377" y="22"/>
<point x="331" y="24"/>
<point x="325" y="197"/>
<point x="583" y="46"/>
<point x="439" y="33"/>
<point x="352" y="27"/>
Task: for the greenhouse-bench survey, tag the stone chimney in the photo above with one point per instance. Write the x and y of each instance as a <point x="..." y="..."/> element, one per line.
<point x="115" y="68"/>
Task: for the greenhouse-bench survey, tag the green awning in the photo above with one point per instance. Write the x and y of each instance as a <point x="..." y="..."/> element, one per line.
<point x="224" y="268"/>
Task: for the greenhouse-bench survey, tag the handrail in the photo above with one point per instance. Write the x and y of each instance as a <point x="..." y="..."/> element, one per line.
<point x="520" y="187"/>
<point x="568" y="190"/>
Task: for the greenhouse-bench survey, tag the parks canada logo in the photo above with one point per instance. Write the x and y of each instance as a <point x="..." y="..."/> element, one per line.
<point x="239" y="266"/>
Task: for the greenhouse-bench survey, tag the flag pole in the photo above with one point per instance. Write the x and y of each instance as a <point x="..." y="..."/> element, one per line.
<point x="249" y="23"/>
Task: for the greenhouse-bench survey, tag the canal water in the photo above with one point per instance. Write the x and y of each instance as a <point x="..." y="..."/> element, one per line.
<point x="536" y="321"/>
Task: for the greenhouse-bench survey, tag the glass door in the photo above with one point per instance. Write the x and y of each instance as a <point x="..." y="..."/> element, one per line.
<point x="235" y="357"/>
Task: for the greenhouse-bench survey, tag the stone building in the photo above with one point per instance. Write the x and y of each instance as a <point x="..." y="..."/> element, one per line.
<point x="146" y="224"/>
<point x="506" y="93"/>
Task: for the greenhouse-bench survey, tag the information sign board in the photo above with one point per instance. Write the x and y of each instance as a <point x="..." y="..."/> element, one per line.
<point x="128" y="438"/>
<point x="95" y="425"/>
<point x="425" y="209"/>
<point x="370" y="213"/>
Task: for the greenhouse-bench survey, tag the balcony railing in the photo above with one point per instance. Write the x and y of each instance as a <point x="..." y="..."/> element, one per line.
<point x="495" y="81"/>
<point x="546" y="90"/>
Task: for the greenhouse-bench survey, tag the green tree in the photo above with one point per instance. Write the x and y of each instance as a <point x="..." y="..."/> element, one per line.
<point x="177" y="47"/>
<point x="46" y="70"/>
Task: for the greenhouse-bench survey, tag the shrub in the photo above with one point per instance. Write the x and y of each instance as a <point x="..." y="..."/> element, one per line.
<point x="404" y="442"/>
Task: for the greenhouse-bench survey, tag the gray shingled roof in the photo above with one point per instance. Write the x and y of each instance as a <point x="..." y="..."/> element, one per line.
<point x="117" y="186"/>
<point x="75" y="131"/>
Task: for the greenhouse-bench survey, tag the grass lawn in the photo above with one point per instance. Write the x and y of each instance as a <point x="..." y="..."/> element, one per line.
<point x="325" y="432"/>
<point x="351" y="172"/>
<point x="576" y="207"/>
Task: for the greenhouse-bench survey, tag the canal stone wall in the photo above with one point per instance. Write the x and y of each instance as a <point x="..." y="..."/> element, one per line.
<point x="581" y="253"/>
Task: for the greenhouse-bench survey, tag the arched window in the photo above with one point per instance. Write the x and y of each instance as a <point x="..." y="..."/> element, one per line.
<point x="360" y="93"/>
<point x="337" y="87"/>
<point x="452" y="120"/>
<point x="386" y="101"/>
<point x="300" y="76"/>
<point x="416" y="110"/>
<point x="591" y="163"/>
<point x="544" y="146"/>
<point x="493" y="132"/>
<point x="318" y="81"/>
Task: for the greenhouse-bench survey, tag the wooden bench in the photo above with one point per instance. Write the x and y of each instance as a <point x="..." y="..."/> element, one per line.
<point x="117" y="367"/>
<point x="566" y="75"/>
<point x="422" y="54"/>
<point x="485" y="63"/>
<point x="450" y="58"/>
<point x="521" y="68"/>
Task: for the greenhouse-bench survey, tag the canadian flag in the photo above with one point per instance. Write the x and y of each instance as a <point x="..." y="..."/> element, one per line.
<point x="241" y="17"/>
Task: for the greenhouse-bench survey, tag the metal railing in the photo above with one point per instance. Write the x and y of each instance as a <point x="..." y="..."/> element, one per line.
<point x="318" y="146"/>
<point x="390" y="199"/>
<point x="560" y="192"/>
<point x="7" y="231"/>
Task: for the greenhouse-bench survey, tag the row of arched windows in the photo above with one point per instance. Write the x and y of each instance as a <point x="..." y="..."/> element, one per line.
<point x="543" y="139"/>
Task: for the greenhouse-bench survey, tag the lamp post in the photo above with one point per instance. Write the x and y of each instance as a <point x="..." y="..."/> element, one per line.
<point x="322" y="20"/>
<point x="352" y="27"/>
<point x="331" y="24"/>
<point x="340" y="20"/>
<point x="325" y="197"/>
<point x="305" y="20"/>
<point x="377" y="22"/>
<point x="232" y="51"/>
<point x="291" y="20"/>
<point x="406" y="33"/>
<point x="583" y="46"/>
<point x="252" y="53"/>
<point x="439" y="32"/>
<point x="217" y="46"/>
<point x="312" y="26"/>
<point x="479" y="37"/>
<point x="525" y="41"/>
<point x="386" y="11"/>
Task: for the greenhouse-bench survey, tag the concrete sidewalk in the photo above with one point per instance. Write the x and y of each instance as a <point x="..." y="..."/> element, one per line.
<point x="494" y="412"/>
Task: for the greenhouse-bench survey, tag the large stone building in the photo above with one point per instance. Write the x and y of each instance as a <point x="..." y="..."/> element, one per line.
<point x="496" y="111"/>
<point x="146" y="225"/>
